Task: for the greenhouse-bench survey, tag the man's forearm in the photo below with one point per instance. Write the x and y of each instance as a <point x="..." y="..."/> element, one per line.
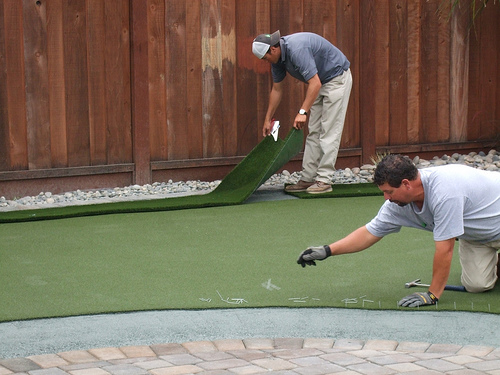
<point x="441" y="266"/>
<point x="274" y="101"/>
<point x="358" y="240"/>
<point x="313" y="87"/>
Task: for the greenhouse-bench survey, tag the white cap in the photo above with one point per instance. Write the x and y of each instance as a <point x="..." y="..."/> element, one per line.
<point x="263" y="42"/>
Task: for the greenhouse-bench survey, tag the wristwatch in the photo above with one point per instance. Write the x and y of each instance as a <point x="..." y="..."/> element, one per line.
<point x="302" y="112"/>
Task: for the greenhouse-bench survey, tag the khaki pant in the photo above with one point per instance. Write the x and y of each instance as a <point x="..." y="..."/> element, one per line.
<point x="325" y="129"/>
<point x="479" y="265"/>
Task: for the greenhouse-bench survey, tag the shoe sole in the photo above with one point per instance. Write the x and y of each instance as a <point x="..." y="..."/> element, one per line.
<point x="295" y="190"/>
<point x="320" y="192"/>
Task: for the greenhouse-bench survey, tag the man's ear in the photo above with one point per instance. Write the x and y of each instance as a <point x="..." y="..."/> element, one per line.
<point x="406" y="183"/>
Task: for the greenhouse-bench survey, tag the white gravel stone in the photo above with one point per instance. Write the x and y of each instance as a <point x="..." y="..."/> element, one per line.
<point x="362" y="174"/>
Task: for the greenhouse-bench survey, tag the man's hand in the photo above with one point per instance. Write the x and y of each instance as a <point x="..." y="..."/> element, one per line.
<point x="308" y="256"/>
<point x="266" y="129"/>
<point x="300" y="121"/>
<point x="418" y="299"/>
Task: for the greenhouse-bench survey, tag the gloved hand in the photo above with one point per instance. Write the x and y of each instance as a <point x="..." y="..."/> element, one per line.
<point x="313" y="253"/>
<point x="418" y="299"/>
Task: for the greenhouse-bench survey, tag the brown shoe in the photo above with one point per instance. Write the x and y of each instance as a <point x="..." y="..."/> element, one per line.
<point x="298" y="187"/>
<point x="319" y="187"/>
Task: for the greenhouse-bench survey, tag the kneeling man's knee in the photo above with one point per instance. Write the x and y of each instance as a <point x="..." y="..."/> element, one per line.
<point x="477" y="287"/>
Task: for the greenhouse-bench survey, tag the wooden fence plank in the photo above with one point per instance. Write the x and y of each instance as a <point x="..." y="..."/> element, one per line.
<point x="334" y="26"/>
<point x="96" y="20"/>
<point x="347" y="39"/>
<point x="318" y="16"/>
<point x="252" y="82"/>
<point x="443" y="74"/>
<point x="157" y="81"/>
<point x="16" y="99"/>
<point x="398" y="96"/>
<point x="4" y="113"/>
<point x="211" y="55"/>
<point x="459" y="74"/>
<point x="229" y="90"/>
<point x="140" y="91"/>
<point x="475" y="85"/>
<point x="488" y="25"/>
<point x="177" y="68"/>
<point x="194" y="79"/>
<point x="414" y="64"/>
<point x="118" y="104"/>
<point x="36" y="75"/>
<point x="57" y="89"/>
<point x="367" y="72"/>
<point x="429" y="75"/>
<point x="381" y="72"/>
<point x="375" y="72"/>
<point x="296" y="16"/>
<point x="75" y="64"/>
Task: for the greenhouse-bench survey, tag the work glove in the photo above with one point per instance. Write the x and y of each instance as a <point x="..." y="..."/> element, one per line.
<point x="308" y="256"/>
<point x="418" y="299"/>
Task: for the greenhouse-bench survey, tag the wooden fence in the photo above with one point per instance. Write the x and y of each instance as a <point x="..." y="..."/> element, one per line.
<point x="103" y="93"/>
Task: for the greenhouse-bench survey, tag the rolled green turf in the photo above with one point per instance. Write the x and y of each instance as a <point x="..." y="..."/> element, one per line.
<point x="258" y="166"/>
<point x="217" y="257"/>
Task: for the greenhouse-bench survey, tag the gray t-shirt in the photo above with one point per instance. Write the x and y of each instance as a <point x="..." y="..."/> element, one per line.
<point x="305" y="54"/>
<point x="460" y="202"/>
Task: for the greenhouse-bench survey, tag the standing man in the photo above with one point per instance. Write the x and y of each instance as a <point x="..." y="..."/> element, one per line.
<point x="451" y="201"/>
<point x="312" y="59"/>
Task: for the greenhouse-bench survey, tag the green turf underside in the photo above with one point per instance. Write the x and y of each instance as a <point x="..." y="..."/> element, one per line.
<point x="218" y="257"/>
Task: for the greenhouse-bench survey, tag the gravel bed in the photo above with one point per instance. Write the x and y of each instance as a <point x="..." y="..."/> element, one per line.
<point x="362" y="174"/>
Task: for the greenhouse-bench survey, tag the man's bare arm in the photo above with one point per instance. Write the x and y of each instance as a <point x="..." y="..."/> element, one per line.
<point x="274" y="101"/>
<point x="358" y="240"/>
<point x="441" y="266"/>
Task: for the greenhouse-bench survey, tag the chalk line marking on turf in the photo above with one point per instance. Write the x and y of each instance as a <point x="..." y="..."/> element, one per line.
<point x="270" y="286"/>
<point x="232" y="301"/>
<point x="298" y="299"/>
<point x="356" y="300"/>
<point x="302" y="299"/>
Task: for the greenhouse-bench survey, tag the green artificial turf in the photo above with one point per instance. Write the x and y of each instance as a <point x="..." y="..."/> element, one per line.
<point x="258" y="166"/>
<point x="216" y="257"/>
